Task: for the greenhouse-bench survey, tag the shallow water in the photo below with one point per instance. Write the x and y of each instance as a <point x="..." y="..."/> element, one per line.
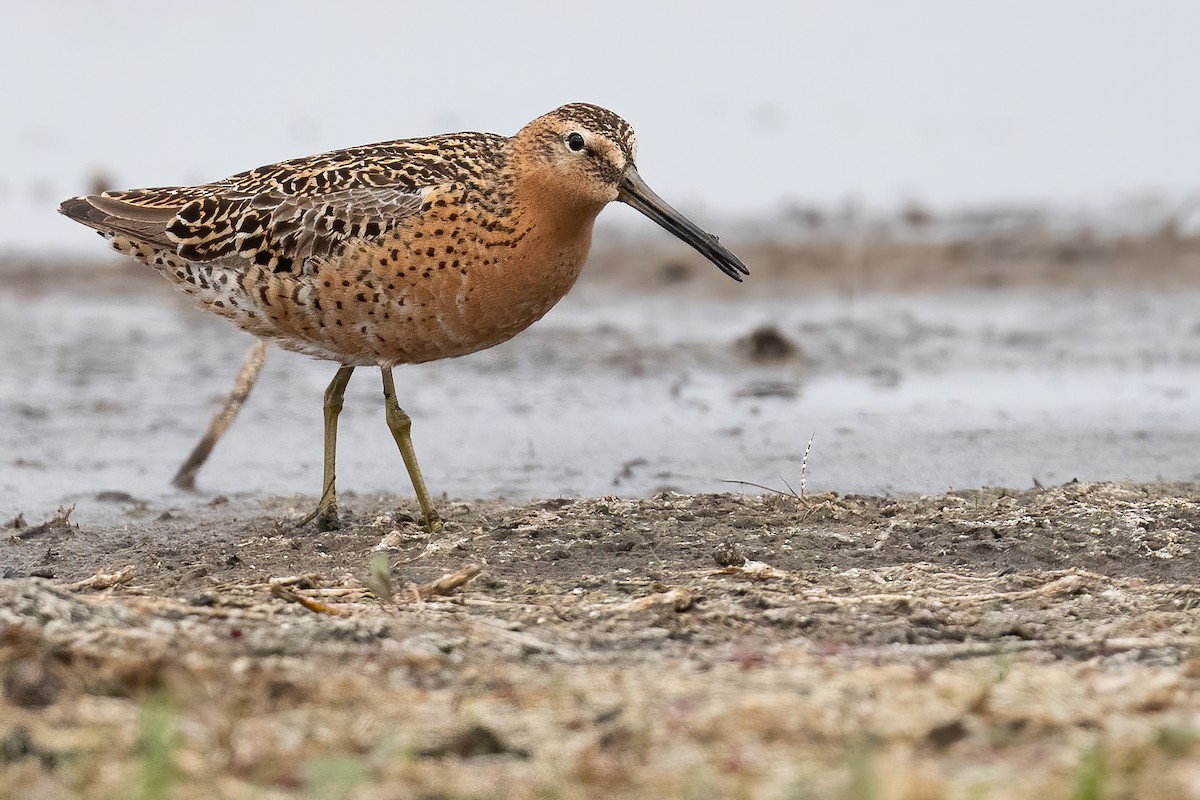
<point x="618" y="393"/>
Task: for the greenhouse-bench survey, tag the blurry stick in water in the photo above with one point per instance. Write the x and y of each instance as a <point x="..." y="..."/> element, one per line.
<point x="185" y="478"/>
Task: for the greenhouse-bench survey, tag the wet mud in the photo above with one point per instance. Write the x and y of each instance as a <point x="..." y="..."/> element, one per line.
<point x="911" y="367"/>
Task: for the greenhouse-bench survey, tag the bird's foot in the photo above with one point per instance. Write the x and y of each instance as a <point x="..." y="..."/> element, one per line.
<point x="326" y="517"/>
<point x="328" y="520"/>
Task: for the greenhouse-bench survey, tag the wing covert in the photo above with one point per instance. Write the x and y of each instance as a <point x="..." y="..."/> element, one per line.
<point x="283" y="214"/>
<point x="281" y="230"/>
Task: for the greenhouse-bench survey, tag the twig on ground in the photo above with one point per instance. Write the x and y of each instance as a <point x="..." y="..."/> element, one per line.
<point x="679" y="599"/>
<point x="393" y="540"/>
<point x="309" y="580"/>
<point x="757" y="570"/>
<point x="444" y="585"/>
<point x="284" y="592"/>
<point x="104" y="580"/>
<point x="1069" y="583"/>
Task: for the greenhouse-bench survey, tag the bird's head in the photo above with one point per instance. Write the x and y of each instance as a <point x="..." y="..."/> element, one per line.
<point x="583" y="156"/>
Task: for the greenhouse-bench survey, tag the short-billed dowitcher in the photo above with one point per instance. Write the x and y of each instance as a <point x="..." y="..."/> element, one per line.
<point x="395" y="253"/>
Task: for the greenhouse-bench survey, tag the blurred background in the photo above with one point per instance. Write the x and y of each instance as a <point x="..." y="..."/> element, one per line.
<point x="741" y="108"/>
<point x="971" y="227"/>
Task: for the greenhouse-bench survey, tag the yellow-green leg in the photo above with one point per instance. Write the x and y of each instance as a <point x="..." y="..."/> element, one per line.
<point x="400" y="425"/>
<point x="326" y="514"/>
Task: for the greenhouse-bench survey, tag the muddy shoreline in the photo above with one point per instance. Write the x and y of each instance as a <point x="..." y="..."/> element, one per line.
<point x="918" y="366"/>
<point x="623" y="624"/>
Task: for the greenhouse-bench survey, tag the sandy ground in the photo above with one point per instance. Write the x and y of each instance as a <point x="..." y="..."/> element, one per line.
<point x="666" y="642"/>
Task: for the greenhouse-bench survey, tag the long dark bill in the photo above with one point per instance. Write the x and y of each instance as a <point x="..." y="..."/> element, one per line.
<point x="635" y="192"/>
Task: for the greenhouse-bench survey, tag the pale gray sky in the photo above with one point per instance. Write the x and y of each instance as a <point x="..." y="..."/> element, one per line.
<point x="739" y="106"/>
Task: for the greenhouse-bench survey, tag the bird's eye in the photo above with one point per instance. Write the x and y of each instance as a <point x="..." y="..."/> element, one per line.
<point x="575" y="141"/>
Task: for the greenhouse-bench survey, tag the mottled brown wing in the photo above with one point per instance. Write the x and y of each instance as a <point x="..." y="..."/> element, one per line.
<point x="282" y="214"/>
<point x="268" y="228"/>
<point x="281" y="231"/>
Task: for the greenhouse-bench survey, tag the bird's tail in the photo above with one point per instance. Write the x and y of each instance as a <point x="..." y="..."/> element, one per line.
<point x="114" y="215"/>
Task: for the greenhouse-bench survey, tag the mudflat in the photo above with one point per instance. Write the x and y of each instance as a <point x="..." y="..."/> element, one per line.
<point x="626" y="624"/>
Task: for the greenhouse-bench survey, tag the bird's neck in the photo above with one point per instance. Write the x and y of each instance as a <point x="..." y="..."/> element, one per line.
<point x="540" y="241"/>
<point x="538" y="198"/>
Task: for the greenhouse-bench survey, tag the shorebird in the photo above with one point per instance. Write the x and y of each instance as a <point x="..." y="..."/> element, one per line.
<point x="395" y="253"/>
